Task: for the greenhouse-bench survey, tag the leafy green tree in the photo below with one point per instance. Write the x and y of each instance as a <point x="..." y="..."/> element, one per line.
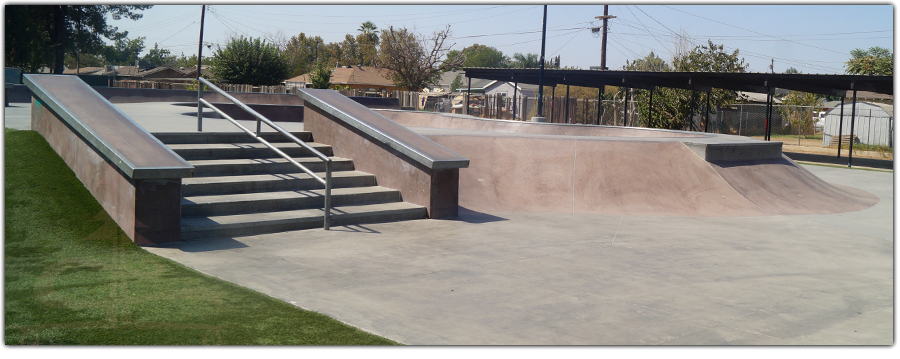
<point x="320" y="78"/>
<point x="874" y="61"/>
<point x="350" y="54"/>
<point x="124" y="51"/>
<point x="301" y="53"/>
<point x="798" y="108"/>
<point x="791" y="70"/>
<point x="249" y="61"/>
<point x="416" y="61"/>
<point x="457" y="83"/>
<point x="42" y="35"/>
<point x="649" y="63"/>
<point x="160" y="57"/>
<point x="481" y="56"/>
<point x="671" y="107"/>
<point x="75" y="60"/>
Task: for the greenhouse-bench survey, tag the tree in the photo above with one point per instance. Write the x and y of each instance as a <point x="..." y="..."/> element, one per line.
<point x="368" y="44"/>
<point x="672" y="107"/>
<point x="320" y="78"/>
<point x="301" y="53"/>
<point x="798" y="108"/>
<point x="416" y="61"/>
<point x="457" y="83"/>
<point x="649" y="63"/>
<point x="874" y="61"/>
<point x="160" y="57"/>
<point x="249" y="61"/>
<point x="791" y="70"/>
<point x="124" y="51"/>
<point x="42" y="35"/>
<point x="367" y="29"/>
<point x="529" y="61"/>
<point x="350" y="54"/>
<point x="481" y="56"/>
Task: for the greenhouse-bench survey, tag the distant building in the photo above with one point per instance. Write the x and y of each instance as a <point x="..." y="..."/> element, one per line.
<point x="874" y="123"/>
<point x="371" y="80"/>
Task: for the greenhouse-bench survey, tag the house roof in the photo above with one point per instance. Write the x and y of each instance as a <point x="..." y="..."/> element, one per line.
<point x="355" y="75"/>
<point x="477" y="84"/>
<point x="84" y="70"/>
<point x="192" y="72"/>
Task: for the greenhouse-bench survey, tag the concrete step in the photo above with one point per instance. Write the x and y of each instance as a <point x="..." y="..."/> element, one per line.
<point x="217" y="205"/>
<point x="226" y="137"/>
<point x="211" y="151"/>
<point x="197" y="186"/>
<point x="251" y="166"/>
<point x="272" y="222"/>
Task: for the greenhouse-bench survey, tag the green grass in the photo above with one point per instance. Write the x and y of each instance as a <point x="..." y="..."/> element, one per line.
<point x="73" y="277"/>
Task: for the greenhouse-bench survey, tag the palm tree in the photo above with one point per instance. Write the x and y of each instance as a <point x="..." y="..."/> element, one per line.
<point x="529" y="61"/>
<point x="368" y="30"/>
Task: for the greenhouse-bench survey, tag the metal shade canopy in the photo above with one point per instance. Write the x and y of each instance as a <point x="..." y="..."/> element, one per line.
<point x="833" y="85"/>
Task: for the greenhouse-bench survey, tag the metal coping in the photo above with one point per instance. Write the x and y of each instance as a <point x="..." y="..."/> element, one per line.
<point x="428" y="152"/>
<point x="171" y="166"/>
<point x="835" y="85"/>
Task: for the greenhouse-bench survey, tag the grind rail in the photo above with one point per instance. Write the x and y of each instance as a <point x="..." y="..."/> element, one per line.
<point x="327" y="181"/>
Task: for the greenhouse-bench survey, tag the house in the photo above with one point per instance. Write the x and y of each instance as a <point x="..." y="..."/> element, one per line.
<point x="139" y="73"/>
<point x="191" y="73"/>
<point x="370" y="80"/>
<point x="90" y="70"/>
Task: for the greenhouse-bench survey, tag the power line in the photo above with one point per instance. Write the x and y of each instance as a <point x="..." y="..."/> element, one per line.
<point x="179" y="31"/>
<point x="757" y="32"/>
<point x="441" y="14"/>
<point x="648" y="30"/>
<point x="576" y="32"/>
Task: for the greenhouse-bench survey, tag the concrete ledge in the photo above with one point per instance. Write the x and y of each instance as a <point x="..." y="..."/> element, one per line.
<point x="389" y="103"/>
<point x="382" y="129"/>
<point x="425" y="173"/>
<point x="132" y="175"/>
<point x="278" y="113"/>
<point x="715" y="152"/>
<point x="110" y="132"/>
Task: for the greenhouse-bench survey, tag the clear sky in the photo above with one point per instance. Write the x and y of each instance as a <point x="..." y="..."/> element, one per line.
<point x="812" y="38"/>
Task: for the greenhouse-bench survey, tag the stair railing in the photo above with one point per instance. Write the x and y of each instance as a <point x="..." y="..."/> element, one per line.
<point x="259" y="120"/>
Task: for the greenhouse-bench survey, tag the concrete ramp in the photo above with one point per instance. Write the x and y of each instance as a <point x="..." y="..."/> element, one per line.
<point x="534" y="167"/>
<point x="779" y="186"/>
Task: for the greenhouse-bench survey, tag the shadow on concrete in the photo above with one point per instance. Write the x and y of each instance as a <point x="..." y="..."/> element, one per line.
<point x="863" y="162"/>
<point x="473" y="217"/>
<point x="355" y="228"/>
<point x="206" y="245"/>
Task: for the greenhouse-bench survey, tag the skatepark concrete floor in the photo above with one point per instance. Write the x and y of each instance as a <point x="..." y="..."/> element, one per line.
<point x="519" y="278"/>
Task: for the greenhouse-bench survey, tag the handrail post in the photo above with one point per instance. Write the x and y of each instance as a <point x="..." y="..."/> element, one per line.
<point x="327" y="218"/>
<point x="199" y="107"/>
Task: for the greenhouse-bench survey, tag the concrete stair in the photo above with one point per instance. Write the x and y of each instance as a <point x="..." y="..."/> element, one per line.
<point x="240" y="187"/>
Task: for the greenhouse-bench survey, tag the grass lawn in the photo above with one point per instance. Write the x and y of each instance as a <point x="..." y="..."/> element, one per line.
<point x="73" y="277"/>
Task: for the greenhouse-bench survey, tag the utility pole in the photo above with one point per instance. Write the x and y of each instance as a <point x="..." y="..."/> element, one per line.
<point x="540" y="109"/>
<point x="199" y="72"/>
<point x="605" y="19"/>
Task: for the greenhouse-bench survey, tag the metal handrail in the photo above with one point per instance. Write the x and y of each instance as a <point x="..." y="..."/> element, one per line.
<point x="259" y="119"/>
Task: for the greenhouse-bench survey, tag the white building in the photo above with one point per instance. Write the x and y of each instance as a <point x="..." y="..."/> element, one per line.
<point x="874" y="123"/>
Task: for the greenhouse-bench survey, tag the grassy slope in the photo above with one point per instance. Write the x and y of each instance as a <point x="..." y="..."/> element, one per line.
<point x="73" y="277"/>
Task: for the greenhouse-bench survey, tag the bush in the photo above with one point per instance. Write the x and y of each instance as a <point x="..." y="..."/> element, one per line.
<point x="249" y="61"/>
